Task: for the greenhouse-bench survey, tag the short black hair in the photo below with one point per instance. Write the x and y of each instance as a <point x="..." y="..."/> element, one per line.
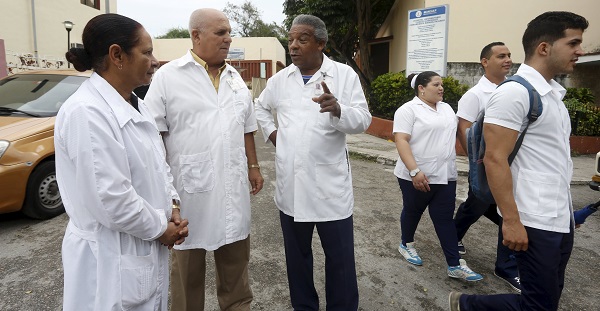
<point x="549" y="27"/>
<point x="486" y="52"/>
<point x="98" y="35"/>
<point x="423" y="79"/>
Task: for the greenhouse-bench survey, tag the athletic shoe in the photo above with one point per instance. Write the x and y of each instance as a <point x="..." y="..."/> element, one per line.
<point x="461" y="248"/>
<point x="463" y="272"/>
<point x="454" y="301"/>
<point x="410" y="253"/>
<point x="514" y="282"/>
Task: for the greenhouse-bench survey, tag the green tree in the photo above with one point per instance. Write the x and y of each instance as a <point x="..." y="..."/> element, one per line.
<point x="177" y="32"/>
<point x="350" y="24"/>
<point x="248" y="22"/>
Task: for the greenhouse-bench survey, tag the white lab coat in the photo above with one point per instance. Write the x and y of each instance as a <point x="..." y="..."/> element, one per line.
<point x="115" y="187"/>
<point x="314" y="180"/>
<point x="203" y="132"/>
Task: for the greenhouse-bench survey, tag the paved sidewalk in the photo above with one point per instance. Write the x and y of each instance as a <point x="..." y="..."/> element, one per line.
<point x="385" y="152"/>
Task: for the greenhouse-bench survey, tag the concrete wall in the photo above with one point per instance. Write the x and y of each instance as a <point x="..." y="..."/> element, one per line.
<point x="16" y="26"/>
<point x="255" y="48"/>
<point x="475" y="23"/>
<point x="470" y="73"/>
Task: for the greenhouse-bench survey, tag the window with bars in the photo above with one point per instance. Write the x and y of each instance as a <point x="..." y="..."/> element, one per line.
<point x="92" y="3"/>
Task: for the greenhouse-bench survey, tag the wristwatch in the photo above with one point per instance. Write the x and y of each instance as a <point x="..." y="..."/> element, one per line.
<point x="176" y="204"/>
<point x="414" y="172"/>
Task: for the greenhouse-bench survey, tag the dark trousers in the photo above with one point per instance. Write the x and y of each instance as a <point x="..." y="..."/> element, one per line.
<point x="441" y="201"/>
<point x="337" y="240"/>
<point x="468" y="213"/>
<point x="542" y="271"/>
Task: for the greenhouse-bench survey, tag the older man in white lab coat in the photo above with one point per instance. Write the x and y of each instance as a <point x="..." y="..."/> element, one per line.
<point x="318" y="102"/>
<point x="204" y="110"/>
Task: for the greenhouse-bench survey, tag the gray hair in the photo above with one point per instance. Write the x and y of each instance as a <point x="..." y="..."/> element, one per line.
<point x="314" y="22"/>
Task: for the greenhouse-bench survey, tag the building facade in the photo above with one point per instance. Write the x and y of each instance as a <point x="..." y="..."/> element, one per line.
<point x="475" y="23"/>
<point x="34" y="33"/>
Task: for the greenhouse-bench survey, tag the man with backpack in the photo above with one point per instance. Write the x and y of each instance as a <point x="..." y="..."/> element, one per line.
<point x="496" y="63"/>
<point x="533" y="193"/>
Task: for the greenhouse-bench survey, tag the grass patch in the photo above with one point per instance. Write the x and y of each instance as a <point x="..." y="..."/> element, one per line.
<point x="362" y="156"/>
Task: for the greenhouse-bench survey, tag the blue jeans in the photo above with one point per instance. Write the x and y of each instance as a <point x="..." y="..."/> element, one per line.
<point x="542" y="271"/>
<point x="441" y="201"/>
<point x="337" y="240"/>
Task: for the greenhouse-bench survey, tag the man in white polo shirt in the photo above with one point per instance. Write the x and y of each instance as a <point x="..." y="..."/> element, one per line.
<point x="496" y="62"/>
<point x="533" y="194"/>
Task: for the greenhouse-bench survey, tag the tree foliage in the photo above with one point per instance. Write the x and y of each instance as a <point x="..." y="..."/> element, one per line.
<point x="351" y="24"/>
<point x="248" y="22"/>
<point x="177" y="32"/>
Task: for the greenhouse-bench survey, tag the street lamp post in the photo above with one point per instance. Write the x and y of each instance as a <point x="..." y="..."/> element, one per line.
<point x="68" y="27"/>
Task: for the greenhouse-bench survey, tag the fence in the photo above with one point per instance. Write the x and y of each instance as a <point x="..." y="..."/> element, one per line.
<point x="249" y="69"/>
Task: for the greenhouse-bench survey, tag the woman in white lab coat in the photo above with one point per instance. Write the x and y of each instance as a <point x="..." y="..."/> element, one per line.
<point x="114" y="182"/>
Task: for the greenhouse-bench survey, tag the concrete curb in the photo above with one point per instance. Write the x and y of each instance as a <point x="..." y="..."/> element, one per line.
<point x="462" y="171"/>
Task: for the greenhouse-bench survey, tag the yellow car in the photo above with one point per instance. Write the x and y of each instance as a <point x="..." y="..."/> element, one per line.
<point x="29" y="102"/>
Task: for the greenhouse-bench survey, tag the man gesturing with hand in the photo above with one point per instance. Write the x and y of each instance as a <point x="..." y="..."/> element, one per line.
<point x="318" y="102"/>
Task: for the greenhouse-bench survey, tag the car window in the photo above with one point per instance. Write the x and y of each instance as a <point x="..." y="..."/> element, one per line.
<point x="38" y="94"/>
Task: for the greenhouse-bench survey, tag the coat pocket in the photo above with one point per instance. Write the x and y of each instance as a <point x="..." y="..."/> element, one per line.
<point x="537" y="193"/>
<point x="139" y="279"/>
<point x="429" y="165"/>
<point x="197" y="172"/>
<point x="332" y="179"/>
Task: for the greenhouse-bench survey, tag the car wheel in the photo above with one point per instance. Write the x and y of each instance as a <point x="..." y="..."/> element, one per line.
<point x="43" y="200"/>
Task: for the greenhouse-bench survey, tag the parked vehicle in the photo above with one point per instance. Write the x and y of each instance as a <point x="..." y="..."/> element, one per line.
<point x="29" y="102"/>
<point x="595" y="183"/>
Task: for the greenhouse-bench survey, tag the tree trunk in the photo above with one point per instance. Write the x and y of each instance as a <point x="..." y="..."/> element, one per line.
<point x="363" y="10"/>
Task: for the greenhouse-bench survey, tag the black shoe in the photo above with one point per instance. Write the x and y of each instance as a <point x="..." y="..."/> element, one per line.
<point x="514" y="282"/>
<point x="461" y="248"/>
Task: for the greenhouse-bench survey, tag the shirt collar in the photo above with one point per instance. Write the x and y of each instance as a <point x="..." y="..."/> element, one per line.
<point x="189" y="58"/>
<point x="203" y="63"/>
<point x="487" y="86"/>
<point x="326" y="69"/>
<point x="538" y="82"/>
<point x="122" y="109"/>
<point x="419" y="101"/>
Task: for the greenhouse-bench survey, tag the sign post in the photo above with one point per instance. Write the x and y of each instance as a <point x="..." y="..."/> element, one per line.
<point x="427" y="40"/>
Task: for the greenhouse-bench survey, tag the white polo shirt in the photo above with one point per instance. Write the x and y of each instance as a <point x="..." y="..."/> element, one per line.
<point x="472" y="103"/>
<point x="543" y="168"/>
<point x="432" y="139"/>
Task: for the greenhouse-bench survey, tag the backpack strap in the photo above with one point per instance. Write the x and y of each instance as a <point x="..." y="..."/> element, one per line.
<point x="535" y="111"/>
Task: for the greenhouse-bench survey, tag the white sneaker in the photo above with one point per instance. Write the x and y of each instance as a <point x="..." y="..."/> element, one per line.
<point x="463" y="272"/>
<point x="410" y="253"/>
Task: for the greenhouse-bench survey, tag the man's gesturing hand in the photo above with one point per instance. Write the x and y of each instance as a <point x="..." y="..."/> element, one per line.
<point x="328" y="102"/>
